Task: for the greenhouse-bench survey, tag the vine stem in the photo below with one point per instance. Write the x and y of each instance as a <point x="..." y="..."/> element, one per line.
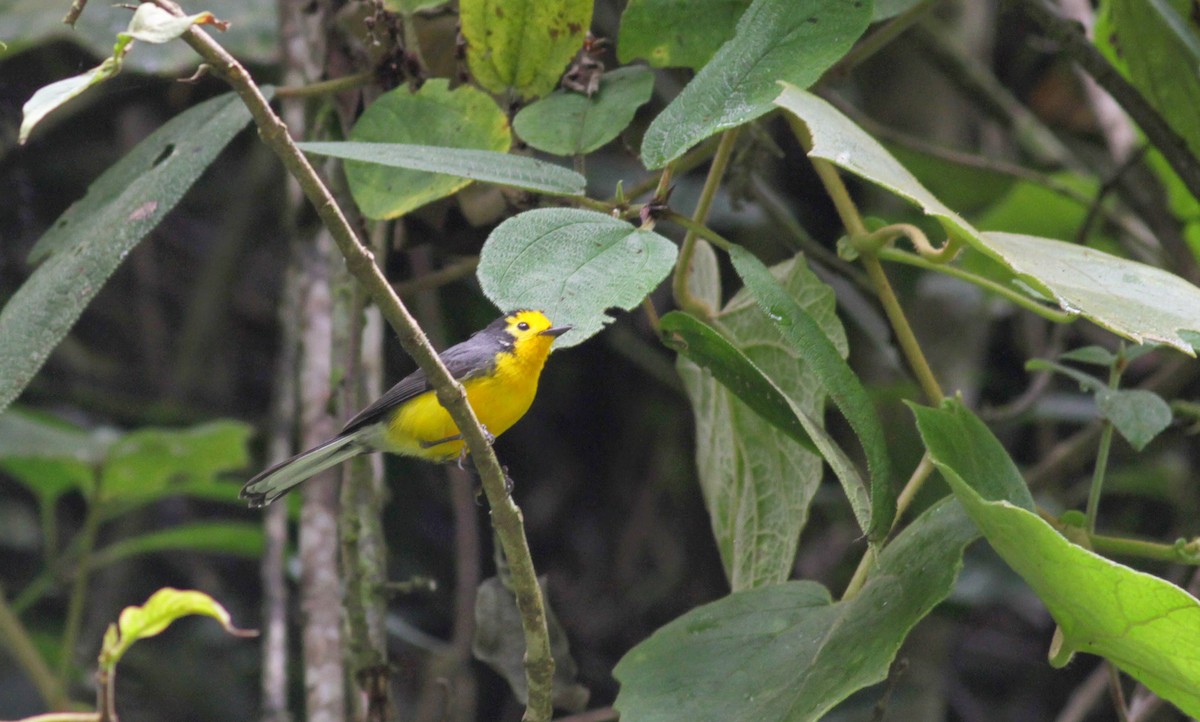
<point x="506" y="516"/>
<point x="683" y="266"/>
<point x="1106" y="437"/>
<point x="16" y="639"/>
<point x="83" y="566"/>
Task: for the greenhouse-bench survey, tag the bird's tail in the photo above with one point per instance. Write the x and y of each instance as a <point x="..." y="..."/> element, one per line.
<point x="276" y="481"/>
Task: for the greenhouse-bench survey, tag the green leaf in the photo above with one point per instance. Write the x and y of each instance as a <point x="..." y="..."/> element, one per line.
<point x="408" y="7"/>
<point x="1145" y="625"/>
<point x="90" y="239"/>
<point x="676" y="33"/>
<point x="787" y="653"/>
<point x="757" y="481"/>
<point x="1160" y="55"/>
<point x="49" y="477"/>
<point x="145" y="462"/>
<point x="1094" y="355"/>
<point x="707" y="348"/>
<point x="570" y="123"/>
<point x="433" y="116"/>
<point x="1137" y="301"/>
<point x="160" y="610"/>
<point x="791" y="40"/>
<point x="1137" y="415"/>
<point x="1131" y="299"/>
<point x="573" y="265"/>
<point x="1087" y="381"/>
<point x="56" y="94"/>
<point x="829" y="368"/>
<point x="957" y="439"/>
<point x="243" y="539"/>
<point x="481" y="165"/>
<point x="522" y="46"/>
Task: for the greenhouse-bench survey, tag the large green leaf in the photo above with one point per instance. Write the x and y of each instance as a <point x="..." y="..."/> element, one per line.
<point x="1132" y="299"/>
<point x="522" y="46"/>
<point x="91" y="238"/>
<point x="573" y="265"/>
<point x="757" y="480"/>
<point x="1145" y="625"/>
<point x="570" y="123"/>
<point x="145" y="462"/>
<point x="676" y="33"/>
<point x="787" y="653"/>
<point x="481" y="165"/>
<point x="835" y="377"/>
<point x="435" y="115"/>
<point x="252" y="35"/>
<point x="791" y="40"/>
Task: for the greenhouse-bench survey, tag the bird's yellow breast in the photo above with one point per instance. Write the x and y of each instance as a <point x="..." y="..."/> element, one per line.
<point x="499" y="399"/>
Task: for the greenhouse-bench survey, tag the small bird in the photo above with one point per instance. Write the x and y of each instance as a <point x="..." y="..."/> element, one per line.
<point x="498" y="367"/>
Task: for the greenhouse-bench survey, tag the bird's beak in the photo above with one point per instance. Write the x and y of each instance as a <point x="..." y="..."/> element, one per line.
<point x="556" y="331"/>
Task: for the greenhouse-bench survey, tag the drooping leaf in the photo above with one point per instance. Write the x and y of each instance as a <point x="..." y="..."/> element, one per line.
<point x="433" y="116"/>
<point x="1145" y="625"/>
<point x="570" y="123"/>
<point x="676" y="33"/>
<point x="243" y="539"/>
<point x="798" y="328"/>
<point x="786" y="652"/>
<point x="90" y="239"/>
<point x="791" y="40"/>
<point x="160" y="610"/>
<point x="1132" y="299"/>
<point x="702" y="345"/>
<point x="56" y="94"/>
<point x="522" y="46"/>
<point x="480" y="165"/>
<point x="757" y="481"/>
<point x="499" y="643"/>
<point x="574" y="265"/>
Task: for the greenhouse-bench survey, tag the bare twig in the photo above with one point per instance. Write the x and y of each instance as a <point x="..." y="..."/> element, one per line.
<point x="506" y="517"/>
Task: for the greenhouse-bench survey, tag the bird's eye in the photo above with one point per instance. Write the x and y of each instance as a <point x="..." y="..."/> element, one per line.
<point x="522" y="326"/>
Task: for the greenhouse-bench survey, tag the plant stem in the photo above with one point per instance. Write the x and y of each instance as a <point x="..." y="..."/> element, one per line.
<point x="506" y="516"/>
<point x="437" y="279"/>
<point x="683" y="265"/>
<point x="912" y="259"/>
<point x="75" y="607"/>
<point x="327" y="87"/>
<point x="16" y="639"/>
<point x="1106" y="436"/>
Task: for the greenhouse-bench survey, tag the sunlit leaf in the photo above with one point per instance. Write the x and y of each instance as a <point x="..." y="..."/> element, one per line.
<point x="160" y="610"/>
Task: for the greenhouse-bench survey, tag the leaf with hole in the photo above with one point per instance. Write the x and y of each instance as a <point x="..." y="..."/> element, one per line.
<point x="573" y="264"/>
<point x="87" y="243"/>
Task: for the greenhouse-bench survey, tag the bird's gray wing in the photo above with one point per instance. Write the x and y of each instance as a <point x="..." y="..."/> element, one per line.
<point x="465" y="360"/>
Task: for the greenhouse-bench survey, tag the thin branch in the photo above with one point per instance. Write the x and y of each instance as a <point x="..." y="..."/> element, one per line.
<point x="506" y="516"/>
<point x="683" y="266"/>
